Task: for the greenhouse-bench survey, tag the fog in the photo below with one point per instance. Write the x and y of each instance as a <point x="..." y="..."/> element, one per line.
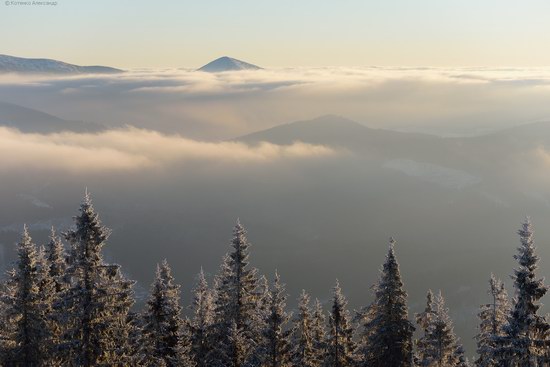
<point x="170" y="174"/>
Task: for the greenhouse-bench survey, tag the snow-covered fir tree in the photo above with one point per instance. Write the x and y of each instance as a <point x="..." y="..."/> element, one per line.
<point x="236" y="350"/>
<point x="493" y="317"/>
<point x="440" y="346"/>
<point x="27" y="306"/>
<point x="162" y="337"/>
<point x="526" y="342"/>
<point x="318" y="330"/>
<point x="263" y="303"/>
<point x="98" y="300"/>
<point x="236" y="305"/>
<point x="305" y="352"/>
<point x="387" y="336"/>
<point x="201" y="323"/>
<point x="49" y="297"/>
<point x="340" y="347"/>
<point x="57" y="259"/>
<point x="219" y="330"/>
<point x="257" y="356"/>
<point x="423" y="320"/>
<point x="243" y="282"/>
<point x="135" y="324"/>
<point x="275" y="349"/>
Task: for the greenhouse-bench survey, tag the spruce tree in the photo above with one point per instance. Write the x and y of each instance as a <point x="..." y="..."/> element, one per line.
<point x="236" y="305"/>
<point x="441" y="347"/>
<point x="304" y="352"/>
<point x="201" y="323"/>
<point x="57" y="259"/>
<point x="243" y="283"/>
<point x="492" y="319"/>
<point x="424" y="320"/>
<point x="526" y="341"/>
<point x="27" y="303"/>
<point x="219" y="330"/>
<point x="276" y="336"/>
<point x="387" y="336"/>
<point x="48" y="297"/>
<point x="237" y="348"/>
<point x="98" y="301"/>
<point x="340" y="348"/>
<point x="263" y="300"/>
<point x="135" y="324"/>
<point x="318" y="331"/>
<point x="257" y="354"/>
<point x="163" y="325"/>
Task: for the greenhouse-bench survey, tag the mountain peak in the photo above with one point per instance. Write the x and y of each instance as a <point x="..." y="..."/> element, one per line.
<point x="226" y="63"/>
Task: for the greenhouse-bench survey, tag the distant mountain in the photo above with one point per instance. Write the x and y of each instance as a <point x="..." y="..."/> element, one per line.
<point x="384" y="146"/>
<point x="340" y="132"/>
<point x="12" y="64"/>
<point x="34" y="121"/>
<point x="227" y="64"/>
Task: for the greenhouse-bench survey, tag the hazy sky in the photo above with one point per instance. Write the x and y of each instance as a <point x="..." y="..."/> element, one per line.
<point x="281" y="33"/>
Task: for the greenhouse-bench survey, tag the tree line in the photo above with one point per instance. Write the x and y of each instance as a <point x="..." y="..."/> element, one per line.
<point x="66" y="306"/>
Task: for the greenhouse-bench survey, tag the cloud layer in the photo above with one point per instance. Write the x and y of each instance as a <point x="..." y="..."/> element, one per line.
<point x="133" y="149"/>
<point x="446" y="101"/>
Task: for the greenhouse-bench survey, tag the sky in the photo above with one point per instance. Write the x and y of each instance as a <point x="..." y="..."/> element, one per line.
<point x="133" y="34"/>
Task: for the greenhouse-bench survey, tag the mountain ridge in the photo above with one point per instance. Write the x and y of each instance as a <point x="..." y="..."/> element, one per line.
<point x="460" y="153"/>
<point x="22" y="65"/>
<point x="333" y="130"/>
<point x="30" y="120"/>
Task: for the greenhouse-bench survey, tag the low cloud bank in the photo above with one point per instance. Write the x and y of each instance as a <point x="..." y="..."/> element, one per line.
<point x="133" y="149"/>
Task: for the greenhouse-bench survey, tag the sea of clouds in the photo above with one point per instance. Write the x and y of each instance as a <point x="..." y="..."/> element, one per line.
<point x="443" y="101"/>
